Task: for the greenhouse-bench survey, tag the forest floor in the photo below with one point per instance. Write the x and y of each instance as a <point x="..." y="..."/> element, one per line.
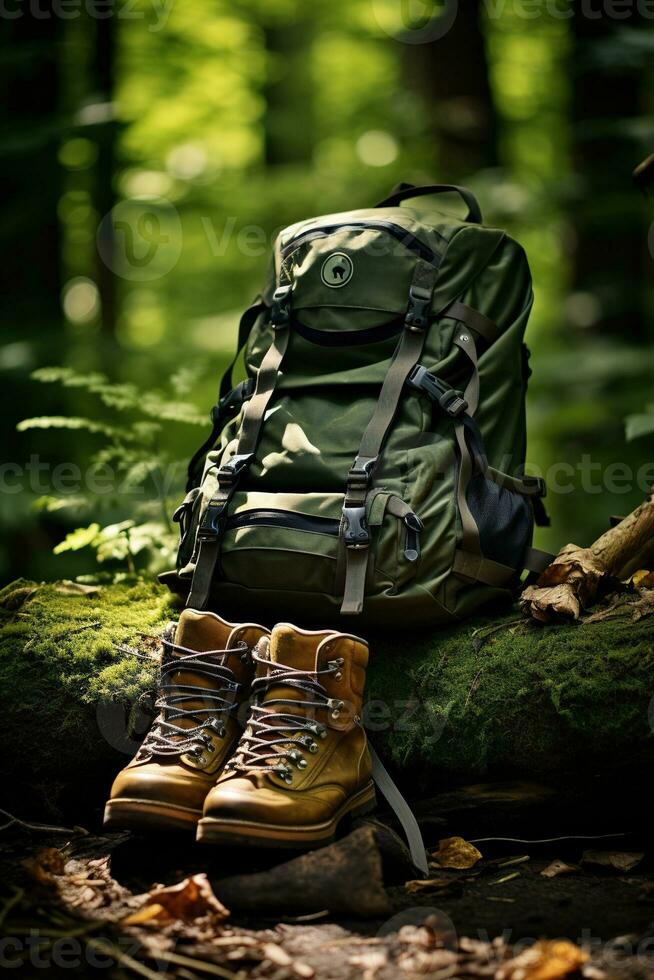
<point x="79" y="903"/>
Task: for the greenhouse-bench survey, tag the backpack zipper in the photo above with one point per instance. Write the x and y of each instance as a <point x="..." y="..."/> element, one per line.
<point x="284" y="518"/>
<point x="401" y="234"/>
<point x="320" y="525"/>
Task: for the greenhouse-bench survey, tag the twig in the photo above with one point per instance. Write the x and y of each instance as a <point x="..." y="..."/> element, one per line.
<point x="473" y="687"/>
<point x="110" y="949"/>
<point x="10" y="903"/>
<point x="202" y="965"/>
<point x="39" y="827"/>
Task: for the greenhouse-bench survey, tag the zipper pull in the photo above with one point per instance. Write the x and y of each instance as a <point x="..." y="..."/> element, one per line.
<point x="413" y="528"/>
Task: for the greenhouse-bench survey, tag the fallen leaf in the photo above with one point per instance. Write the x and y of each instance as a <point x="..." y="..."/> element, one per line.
<point x="423" y="885"/>
<point x="613" y="860"/>
<point x="557" y="868"/>
<point x="49" y="861"/>
<point x="545" y="960"/>
<point x="191" y="899"/>
<point x="455" y="852"/>
<point x="643" y="579"/>
<point x="146" y="915"/>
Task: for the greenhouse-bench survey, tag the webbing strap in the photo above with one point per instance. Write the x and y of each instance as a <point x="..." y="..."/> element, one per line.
<point x="469" y="531"/>
<point x="473" y="319"/>
<point x="402" y="811"/>
<point x="536" y="560"/>
<point x="476" y="568"/>
<point x="212" y="524"/>
<point x="354" y="529"/>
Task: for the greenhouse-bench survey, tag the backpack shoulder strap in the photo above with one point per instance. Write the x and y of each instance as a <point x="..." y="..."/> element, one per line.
<point x="230" y="398"/>
<point x="355" y="533"/>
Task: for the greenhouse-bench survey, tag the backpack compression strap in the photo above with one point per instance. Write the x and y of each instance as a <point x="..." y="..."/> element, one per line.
<point x="230" y="398"/>
<point x="211" y="527"/>
<point x="355" y="532"/>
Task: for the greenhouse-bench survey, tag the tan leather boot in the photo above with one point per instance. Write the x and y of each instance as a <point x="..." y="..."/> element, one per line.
<point x="303" y="762"/>
<point x="206" y="675"/>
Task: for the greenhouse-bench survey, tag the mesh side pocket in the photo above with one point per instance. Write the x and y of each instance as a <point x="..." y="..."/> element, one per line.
<point x="504" y="519"/>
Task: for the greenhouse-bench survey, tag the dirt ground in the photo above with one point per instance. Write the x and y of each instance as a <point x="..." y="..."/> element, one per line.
<point x="65" y="896"/>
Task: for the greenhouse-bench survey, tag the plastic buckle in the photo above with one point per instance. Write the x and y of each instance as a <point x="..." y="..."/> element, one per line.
<point x="540" y="487"/>
<point x="232" y="468"/>
<point x="452" y="402"/>
<point x="280" y="313"/>
<point x="210" y="526"/>
<point x="356" y="533"/>
<point x="417" y="315"/>
<point x="358" y="479"/>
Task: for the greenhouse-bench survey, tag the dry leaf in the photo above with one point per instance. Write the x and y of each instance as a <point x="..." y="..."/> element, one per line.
<point x="455" y="852"/>
<point x="422" y="885"/>
<point x="191" y="899"/>
<point x="557" y="868"/>
<point x="47" y="862"/>
<point x="612" y="860"/>
<point x="545" y="960"/>
<point x="370" y="962"/>
<point x="146" y="915"/>
<point x="643" y="579"/>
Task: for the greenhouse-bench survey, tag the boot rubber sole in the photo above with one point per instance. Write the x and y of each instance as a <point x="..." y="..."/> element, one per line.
<point x="214" y="830"/>
<point x="125" y="814"/>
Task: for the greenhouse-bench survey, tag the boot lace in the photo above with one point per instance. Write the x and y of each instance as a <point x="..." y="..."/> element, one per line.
<point x="166" y="737"/>
<point x="269" y="743"/>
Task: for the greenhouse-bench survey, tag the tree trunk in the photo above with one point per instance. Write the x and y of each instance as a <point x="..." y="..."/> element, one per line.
<point x="610" y="228"/>
<point x="451" y="76"/>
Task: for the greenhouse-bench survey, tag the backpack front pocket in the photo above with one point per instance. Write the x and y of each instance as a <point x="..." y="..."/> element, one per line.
<point x="293" y="542"/>
<point x="283" y="541"/>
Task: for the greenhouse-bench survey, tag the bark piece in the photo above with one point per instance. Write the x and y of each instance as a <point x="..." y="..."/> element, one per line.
<point x="620" y="861"/>
<point x="343" y="877"/>
<point x="579" y="576"/>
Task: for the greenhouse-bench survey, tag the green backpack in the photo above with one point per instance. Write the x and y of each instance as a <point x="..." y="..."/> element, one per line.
<point x="370" y="465"/>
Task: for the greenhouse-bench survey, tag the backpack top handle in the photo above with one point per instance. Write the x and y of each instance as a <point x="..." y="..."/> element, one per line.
<point x="404" y="192"/>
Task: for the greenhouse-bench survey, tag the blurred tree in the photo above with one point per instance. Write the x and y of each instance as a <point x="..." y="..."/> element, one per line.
<point x="29" y="171"/>
<point x="289" y="134"/>
<point x="607" y="65"/>
<point x="451" y="75"/>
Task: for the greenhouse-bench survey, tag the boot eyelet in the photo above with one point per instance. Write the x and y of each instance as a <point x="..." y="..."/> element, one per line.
<point x="312" y="747"/>
<point x="302" y="763"/>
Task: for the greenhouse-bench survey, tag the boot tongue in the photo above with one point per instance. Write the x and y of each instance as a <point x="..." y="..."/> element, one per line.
<point x="290" y="648"/>
<point x="199" y="632"/>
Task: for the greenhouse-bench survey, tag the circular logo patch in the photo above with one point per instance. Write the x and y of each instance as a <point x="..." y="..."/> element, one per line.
<point x="336" y="270"/>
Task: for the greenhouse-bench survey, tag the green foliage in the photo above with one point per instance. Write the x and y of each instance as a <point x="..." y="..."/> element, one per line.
<point x="640" y="425"/>
<point x="146" y="478"/>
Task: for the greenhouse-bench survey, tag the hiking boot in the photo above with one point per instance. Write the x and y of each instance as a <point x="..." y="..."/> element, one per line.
<point x="206" y="673"/>
<point x="303" y="762"/>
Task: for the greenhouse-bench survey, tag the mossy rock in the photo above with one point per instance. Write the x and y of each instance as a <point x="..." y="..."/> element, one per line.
<point x="493" y="697"/>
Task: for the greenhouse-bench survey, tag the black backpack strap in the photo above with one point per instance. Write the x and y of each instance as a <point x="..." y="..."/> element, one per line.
<point x="408" y="191"/>
<point x="355" y="532"/>
<point x="230" y="398"/>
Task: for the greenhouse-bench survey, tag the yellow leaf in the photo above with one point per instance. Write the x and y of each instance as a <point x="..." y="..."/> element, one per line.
<point x="455" y="852"/>
<point x="545" y="960"/>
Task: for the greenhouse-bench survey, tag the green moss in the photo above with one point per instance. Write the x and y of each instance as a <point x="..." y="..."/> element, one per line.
<point x="487" y="697"/>
<point x="522" y="699"/>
